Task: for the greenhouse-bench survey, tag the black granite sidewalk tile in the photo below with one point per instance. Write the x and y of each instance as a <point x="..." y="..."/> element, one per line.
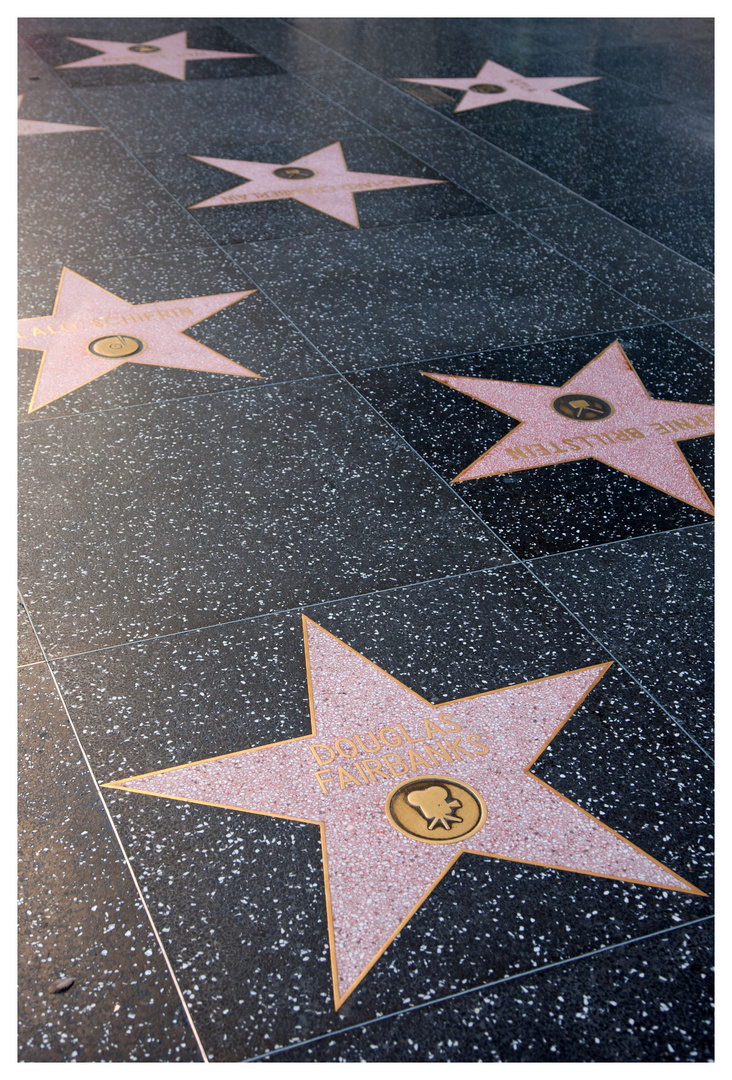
<point x="251" y="332"/>
<point x="29" y="651"/>
<point x="220" y="118"/>
<point x="671" y="57"/>
<point x="49" y="37"/>
<point x="700" y="330"/>
<point x="646" y="1002"/>
<point x="191" y="181"/>
<point x="430" y="289"/>
<point x="80" y="915"/>
<point x="154" y="519"/>
<point x="683" y="221"/>
<point x="44" y="97"/>
<point x="82" y="195"/>
<point x="239" y="897"/>
<point x="556" y="507"/>
<point x="650" y="601"/>
<point x="646" y="272"/>
<point x="607" y="156"/>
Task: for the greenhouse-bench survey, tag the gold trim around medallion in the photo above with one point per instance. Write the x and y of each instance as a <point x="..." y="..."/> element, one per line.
<point x="436" y="809"/>
<point x="583" y="407"/>
<point x="116" y="346"/>
<point x="487" y="88"/>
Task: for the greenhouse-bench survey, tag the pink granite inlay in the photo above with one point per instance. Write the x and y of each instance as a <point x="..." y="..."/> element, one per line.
<point x="47" y="127"/>
<point x="502" y="84"/>
<point x="369" y="734"/>
<point x="330" y="189"/>
<point x="639" y="438"/>
<point x="168" y="54"/>
<point x="85" y="312"/>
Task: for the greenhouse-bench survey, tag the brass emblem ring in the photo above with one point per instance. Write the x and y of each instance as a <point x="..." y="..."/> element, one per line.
<point x="487" y="88"/>
<point x="144" y="48"/>
<point x="582" y="407"/>
<point x="116" y="345"/>
<point x="293" y="172"/>
<point x="436" y="810"/>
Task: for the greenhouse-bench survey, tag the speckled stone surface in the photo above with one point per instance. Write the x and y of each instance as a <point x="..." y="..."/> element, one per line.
<point x="80" y="916"/>
<point x="657" y="617"/>
<point x="185" y="532"/>
<point x="684" y="222"/>
<point x="634" y="1003"/>
<point x="700" y="330"/>
<point x="456" y="286"/>
<point x="29" y="651"/>
<point x="227" y="505"/>
<point x="89" y="196"/>
<point x="663" y="282"/>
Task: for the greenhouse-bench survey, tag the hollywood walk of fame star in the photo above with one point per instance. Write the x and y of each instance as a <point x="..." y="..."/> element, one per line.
<point x="370" y="735"/>
<point x="602" y="412"/>
<point x="46" y="127"/>
<point x="495" y="83"/>
<point x="168" y="54"/>
<point x="92" y="331"/>
<point x="320" y="180"/>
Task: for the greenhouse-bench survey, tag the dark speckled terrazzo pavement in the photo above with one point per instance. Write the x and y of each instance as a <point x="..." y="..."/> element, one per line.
<point x="176" y="523"/>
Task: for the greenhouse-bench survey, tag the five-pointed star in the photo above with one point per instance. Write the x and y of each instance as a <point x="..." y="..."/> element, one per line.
<point x="370" y="733"/>
<point x="47" y="127"/>
<point x="167" y="55"/>
<point x="320" y="180"/>
<point x="93" y="331"/>
<point x="602" y="412"/>
<point x="495" y="83"/>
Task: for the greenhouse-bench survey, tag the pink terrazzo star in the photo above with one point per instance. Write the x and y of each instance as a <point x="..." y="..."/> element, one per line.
<point x="602" y="412"/>
<point x="370" y="733"/>
<point x="46" y="127"/>
<point x="320" y="180"/>
<point x="167" y="55"/>
<point x="494" y="84"/>
<point x="92" y="331"/>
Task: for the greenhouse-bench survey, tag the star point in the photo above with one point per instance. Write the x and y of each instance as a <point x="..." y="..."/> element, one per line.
<point x="320" y="180"/>
<point x="603" y="412"/>
<point x="48" y="127"/>
<point x="91" y="331"/>
<point x="393" y="780"/>
<point x="495" y="84"/>
<point x="167" y="55"/>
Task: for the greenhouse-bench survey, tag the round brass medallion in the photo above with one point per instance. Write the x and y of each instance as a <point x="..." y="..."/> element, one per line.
<point x="144" y="48"/>
<point x="115" y="345"/>
<point x="582" y="407"/>
<point x="436" y="810"/>
<point x="487" y="88"/>
<point x="293" y="172"/>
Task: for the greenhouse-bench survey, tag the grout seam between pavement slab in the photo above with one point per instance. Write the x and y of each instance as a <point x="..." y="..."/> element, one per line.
<point x="117" y="837"/>
<point x="478" y="989"/>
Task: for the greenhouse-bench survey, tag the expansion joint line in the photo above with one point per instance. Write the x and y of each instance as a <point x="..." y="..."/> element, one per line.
<point x="480" y="198"/>
<point x="495" y="984"/>
<point x="118" y="838"/>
